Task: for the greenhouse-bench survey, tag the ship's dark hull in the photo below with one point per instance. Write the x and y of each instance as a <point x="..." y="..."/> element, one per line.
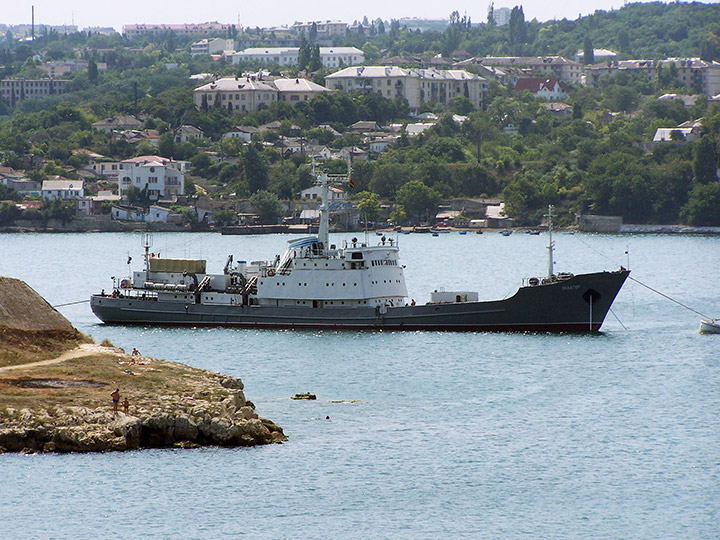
<point x="578" y="304"/>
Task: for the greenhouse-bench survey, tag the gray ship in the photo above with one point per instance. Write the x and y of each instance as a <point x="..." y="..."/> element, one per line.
<point x="355" y="286"/>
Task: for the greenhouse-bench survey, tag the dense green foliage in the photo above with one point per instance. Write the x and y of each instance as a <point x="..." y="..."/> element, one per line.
<point x="595" y="160"/>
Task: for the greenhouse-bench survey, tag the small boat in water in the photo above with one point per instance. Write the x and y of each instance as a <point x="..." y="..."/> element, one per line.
<point x="506" y="233"/>
<point x="710" y="326"/>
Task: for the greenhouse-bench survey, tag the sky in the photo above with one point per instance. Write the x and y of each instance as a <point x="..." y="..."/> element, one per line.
<point x="86" y="13"/>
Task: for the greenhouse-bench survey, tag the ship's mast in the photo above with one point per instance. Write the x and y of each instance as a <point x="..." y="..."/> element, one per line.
<point x="324" y="230"/>
<point x="323" y="180"/>
<point x="147" y="243"/>
<point x="551" y="244"/>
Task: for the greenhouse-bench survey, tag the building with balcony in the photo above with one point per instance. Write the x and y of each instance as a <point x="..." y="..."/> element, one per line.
<point x="330" y="57"/>
<point x="235" y="94"/>
<point x="161" y="177"/>
<point x="544" y="66"/>
<point x="416" y="86"/>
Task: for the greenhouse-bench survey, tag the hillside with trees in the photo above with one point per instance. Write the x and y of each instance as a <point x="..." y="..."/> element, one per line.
<point x="597" y="158"/>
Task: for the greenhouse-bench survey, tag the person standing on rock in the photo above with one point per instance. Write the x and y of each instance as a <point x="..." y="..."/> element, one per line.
<point x="126" y="405"/>
<point x="115" y="399"/>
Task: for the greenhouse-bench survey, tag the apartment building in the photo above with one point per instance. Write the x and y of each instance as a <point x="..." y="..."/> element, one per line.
<point x="249" y="94"/>
<point x="211" y="46"/>
<point x="546" y="66"/>
<point x="330" y="57"/>
<point x="19" y="89"/>
<point x="235" y="94"/>
<point x="417" y="86"/>
<point x="698" y="75"/>
<point x="161" y="176"/>
<point x="200" y="30"/>
<point x="325" y="29"/>
<point x="294" y="90"/>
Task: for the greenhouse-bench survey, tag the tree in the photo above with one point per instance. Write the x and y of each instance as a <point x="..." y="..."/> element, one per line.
<point x="224" y="217"/>
<point x="315" y="62"/>
<point x="256" y="168"/>
<point x="312" y="35"/>
<point x="517" y="27"/>
<point x="267" y="206"/>
<point x="588" y="52"/>
<point x="380" y="27"/>
<point x="166" y="145"/>
<point x="417" y="199"/>
<point x="8" y="212"/>
<point x="623" y="41"/>
<point x="92" y="71"/>
<point x="368" y="205"/>
<point x="137" y="196"/>
<point x="703" y="206"/>
<point x="303" y="54"/>
<point x="705" y="161"/>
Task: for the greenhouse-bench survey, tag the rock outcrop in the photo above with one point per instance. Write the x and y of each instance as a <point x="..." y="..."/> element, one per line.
<point x="182" y="421"/>
<point x="52" y="402"/>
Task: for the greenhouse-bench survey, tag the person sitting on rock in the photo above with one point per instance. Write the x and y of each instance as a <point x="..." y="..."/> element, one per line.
<point x="135" y="352"/>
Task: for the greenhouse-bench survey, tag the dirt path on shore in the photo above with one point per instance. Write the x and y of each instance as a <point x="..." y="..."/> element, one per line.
<point x="85" y="349"/>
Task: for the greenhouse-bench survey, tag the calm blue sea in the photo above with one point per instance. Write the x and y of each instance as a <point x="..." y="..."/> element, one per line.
<point x="440" y="436"/>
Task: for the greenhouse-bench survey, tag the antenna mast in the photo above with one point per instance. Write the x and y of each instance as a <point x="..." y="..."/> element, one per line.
<point x="551" y="244"/>
<point x="147" y="242"/>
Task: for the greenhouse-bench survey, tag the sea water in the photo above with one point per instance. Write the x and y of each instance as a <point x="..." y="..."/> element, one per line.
<point x="413" y="435"/>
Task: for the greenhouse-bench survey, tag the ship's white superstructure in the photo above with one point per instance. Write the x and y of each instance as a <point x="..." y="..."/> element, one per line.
<point x="311" y="272"/>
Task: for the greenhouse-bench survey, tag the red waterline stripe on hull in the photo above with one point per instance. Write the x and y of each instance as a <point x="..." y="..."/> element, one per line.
<point x="551" y="327"/>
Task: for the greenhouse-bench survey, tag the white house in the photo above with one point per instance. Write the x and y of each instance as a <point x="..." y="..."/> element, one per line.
<point x="127" y="213"/>
<point x="315" y="192"/>
<point x="184" y="133"/>
<point x="246" y="133"/>
<point x="62" y="189"/>
<point x="161" y="176"/>
<point x="546" y="88"/>
<point x="380" y="145"/>
<point x="158" y="214"/>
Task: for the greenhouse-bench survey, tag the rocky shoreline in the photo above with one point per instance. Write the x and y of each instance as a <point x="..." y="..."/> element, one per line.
<point x="181" y="421"/>
<point x="56" y="388"/>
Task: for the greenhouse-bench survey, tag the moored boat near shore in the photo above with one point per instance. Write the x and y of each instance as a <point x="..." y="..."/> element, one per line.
<point x="316" y="284"/>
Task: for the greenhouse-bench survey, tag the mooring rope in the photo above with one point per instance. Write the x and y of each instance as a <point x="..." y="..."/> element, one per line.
<point x="648" y="286"/>
<point x="669" y="297"/>
<point x="71" y="303"/>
